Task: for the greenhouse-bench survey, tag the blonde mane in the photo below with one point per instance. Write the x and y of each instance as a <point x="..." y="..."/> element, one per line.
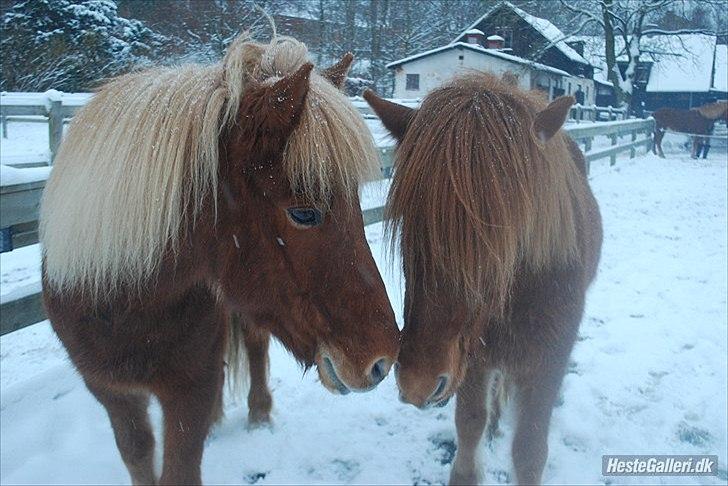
<point x="140" y="161"/>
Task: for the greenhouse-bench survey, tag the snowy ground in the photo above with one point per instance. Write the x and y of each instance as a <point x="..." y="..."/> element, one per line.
<point x="648" y="374"/>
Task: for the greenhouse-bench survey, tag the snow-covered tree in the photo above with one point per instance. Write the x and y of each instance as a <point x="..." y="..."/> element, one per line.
<point x="69" y="45"/>
<point x="626" y="24"/>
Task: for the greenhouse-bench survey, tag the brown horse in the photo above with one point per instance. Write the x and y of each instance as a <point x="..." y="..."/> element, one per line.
<point x="500" y="237"/>
<point x="183" y="195"/>
<point x="698" y="121"/>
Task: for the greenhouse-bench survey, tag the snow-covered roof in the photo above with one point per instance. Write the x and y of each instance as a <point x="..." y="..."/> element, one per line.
<point x="475" y="32"/>
<point x="680" y="63"/>
<point x="720" y="82"/>
<point x="683" y="63"/>
<point x="495" y="38"/>
<point x="480" y="49"/>
<point x="552" y="33"/>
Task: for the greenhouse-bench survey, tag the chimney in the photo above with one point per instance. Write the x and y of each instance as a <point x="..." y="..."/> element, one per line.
<point x="578" y="46"/>
<point x="475" y="36"/>
<point x="495" y="42"/>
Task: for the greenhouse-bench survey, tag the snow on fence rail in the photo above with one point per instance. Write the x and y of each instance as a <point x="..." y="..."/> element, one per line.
<point x="52" y="107"/>
<point x="56" y="108"/>
<point x="20" y="199"/>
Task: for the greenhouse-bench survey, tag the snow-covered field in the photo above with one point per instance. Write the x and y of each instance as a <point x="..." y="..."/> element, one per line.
<point x="648" y="374"/>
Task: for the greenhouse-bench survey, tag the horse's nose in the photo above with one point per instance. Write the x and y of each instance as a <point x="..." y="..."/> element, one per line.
<point x="379" y="370"/>
<point x="424" y="400"/>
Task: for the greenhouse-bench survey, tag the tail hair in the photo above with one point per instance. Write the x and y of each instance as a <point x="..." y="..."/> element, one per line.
<point x="236" y="358"/>
<point x="496" y="401"/>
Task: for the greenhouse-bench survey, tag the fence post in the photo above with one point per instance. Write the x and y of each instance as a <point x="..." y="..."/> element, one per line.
<point x="613" y="157"/>
<point x="4" y="121"/>
<point x="609" y="111"/>
<point x="55" y="127"/>
<point x="633" y="150"/>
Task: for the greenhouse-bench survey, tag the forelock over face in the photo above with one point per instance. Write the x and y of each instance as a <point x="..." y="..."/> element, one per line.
<point x="331" y="151"/>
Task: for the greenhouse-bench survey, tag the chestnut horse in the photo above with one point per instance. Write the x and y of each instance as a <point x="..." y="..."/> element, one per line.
<point x="181" y="196"/>
<point x="500" y="237"/>
<point x="698" y="121"/>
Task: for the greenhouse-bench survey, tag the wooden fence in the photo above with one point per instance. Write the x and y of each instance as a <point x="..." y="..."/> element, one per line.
<point x="56" y="109"/>
<point x="52" y="108"/>
<point x="19" y="203"/>
<point x="593" y="113"/>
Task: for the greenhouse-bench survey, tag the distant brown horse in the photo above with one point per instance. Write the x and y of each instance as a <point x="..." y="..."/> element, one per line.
<point x="182" y="196"/>
<point x="698" y="121"/>
<point x="500" y="237"/>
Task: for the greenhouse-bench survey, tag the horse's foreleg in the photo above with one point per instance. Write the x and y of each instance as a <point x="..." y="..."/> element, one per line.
<point x="706" y="148"/>
<point x="189" y="410"/>
<point x="260" y="400"/>
<point x="657" y="143"/>
<point x="471" y="416"/>
<point x="696" y="146"/>
<point x="190" y="397"/>
<point x="132" y="431"/>
<point x="537" y="393"/>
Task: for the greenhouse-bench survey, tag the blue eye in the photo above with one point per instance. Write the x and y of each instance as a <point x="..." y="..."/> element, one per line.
<point x="309" y="217"/>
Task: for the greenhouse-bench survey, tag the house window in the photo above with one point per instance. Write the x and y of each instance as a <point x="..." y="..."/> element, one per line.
<point x="413" y="82"/>
<point x="507" y="34"/>
<point x="569" y="91"/>
<point x="642" y="73"/>
<point x="587" y="92"/>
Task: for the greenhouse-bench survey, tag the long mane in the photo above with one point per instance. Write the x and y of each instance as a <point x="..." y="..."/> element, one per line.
<point x="713" y="111"/>
<point x="140" y="161"/>
<point x="476" y="195"/>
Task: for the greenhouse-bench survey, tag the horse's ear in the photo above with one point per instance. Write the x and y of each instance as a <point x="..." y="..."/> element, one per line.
<point x="337" y="73"/>
<point x="287" y="95"/>
<point x="395" y="117"/>
<point x="549" y="120"/>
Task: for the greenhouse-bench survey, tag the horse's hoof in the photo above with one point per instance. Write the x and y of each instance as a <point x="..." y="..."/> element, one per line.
<point x="464" y="478"/>
<point x="259" y="421"/>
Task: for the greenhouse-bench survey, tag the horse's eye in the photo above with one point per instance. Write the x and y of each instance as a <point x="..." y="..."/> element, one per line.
<point x="308" y="217"/>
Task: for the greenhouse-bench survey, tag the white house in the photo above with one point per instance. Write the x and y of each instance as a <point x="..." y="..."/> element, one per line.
<point x="417" y="75"/>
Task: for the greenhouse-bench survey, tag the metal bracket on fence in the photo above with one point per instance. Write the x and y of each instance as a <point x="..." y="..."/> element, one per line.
<point x="55" y="128"/>
<point x="6" y="239"/>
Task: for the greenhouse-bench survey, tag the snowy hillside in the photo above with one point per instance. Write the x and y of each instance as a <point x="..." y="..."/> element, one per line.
<point x="648" y="374"/>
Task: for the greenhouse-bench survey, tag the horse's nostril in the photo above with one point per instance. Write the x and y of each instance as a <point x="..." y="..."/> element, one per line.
<point x="440" y="388"/>
<point x="379" y="371"/>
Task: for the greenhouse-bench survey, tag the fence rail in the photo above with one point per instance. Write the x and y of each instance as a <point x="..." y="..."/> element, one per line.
<point x="56" y="109"/>
<point x="19" y="203"/>
<point x="580" y="113"/>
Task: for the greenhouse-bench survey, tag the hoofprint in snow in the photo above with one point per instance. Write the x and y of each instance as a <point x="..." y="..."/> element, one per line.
<point x="647" y="375"/>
